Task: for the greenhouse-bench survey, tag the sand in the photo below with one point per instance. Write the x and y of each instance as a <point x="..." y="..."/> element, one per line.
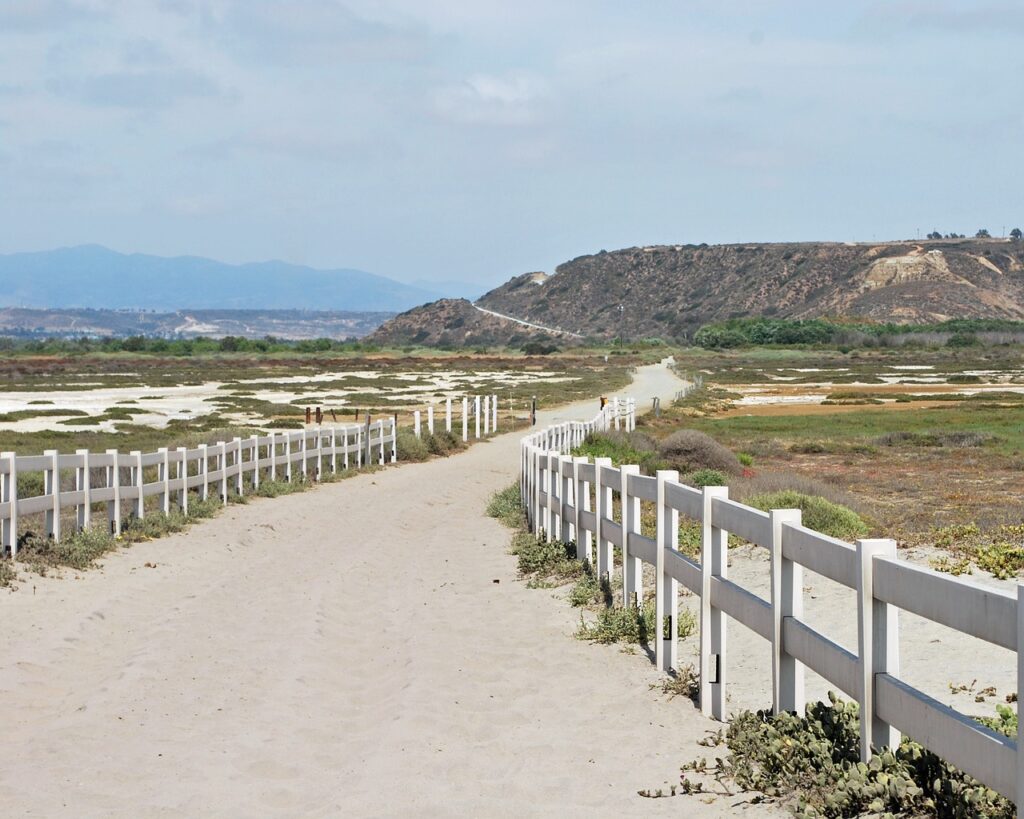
<point x="360" y="650"/>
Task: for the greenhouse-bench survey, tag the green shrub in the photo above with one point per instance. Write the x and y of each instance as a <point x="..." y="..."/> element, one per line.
<point x="818" y="514"/>
<point x="630" y="625"/>
<point x="506" y="506"/>
<point x="548" y="561"/>
<point x="813" y="763"/>
<point x="622" y="448"/>
<point x="963" y="340"/>
<point x="80" y="550"/>
<point x="276" y="488"/>
<point x="707" y="477"/>
<point x="411" y="448"/>
<point x="7" y="573"/>
<point x="745" y="458"/>
<point x="586" y="591"/>
<point x="688" y="450"/>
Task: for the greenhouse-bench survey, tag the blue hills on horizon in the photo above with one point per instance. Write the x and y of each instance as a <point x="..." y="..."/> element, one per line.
<point x="93" y="276"/>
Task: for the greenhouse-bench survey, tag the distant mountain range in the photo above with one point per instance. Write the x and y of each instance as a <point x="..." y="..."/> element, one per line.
<point x="69" y="322"/>
<point x="669" y="291"/>
<point x="91" y="276"/>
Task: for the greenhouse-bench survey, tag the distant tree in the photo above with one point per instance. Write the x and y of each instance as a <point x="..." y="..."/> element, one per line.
<point x="934" y="235"/>
<point x="983" y="234"/>
<point x="1016" y="234"/>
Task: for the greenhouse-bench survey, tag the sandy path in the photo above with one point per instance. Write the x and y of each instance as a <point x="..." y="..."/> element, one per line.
<point x="340" y="652"/>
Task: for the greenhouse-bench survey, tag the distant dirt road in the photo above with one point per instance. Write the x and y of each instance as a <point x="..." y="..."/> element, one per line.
<point x="343" y="652"/>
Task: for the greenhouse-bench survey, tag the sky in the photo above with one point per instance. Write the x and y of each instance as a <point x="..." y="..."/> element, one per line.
<point x="473" y="140"/>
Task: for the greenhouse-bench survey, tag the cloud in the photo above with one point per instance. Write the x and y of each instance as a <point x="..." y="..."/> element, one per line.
<point x="485" y="99"/>
<point x="142" y="89"/>
<point x="34" y="16"/>
<point x="912" y="15"/>
<point x="319" y="30"/>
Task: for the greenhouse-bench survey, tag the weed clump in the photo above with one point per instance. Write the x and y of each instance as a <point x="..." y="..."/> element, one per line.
<point x="506" y="506"/>
<point x="818" y="514"/>
<point x="542" y="561"/>
<point x="631" y="624"/>
<point x="276" y="488"/>
<point x="813" y="764"/>
<point x="999" y="552"/>
<point x="688" y="450"/>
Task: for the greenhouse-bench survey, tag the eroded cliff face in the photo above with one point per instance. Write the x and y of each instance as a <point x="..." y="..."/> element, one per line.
<point x="670" y="290"/>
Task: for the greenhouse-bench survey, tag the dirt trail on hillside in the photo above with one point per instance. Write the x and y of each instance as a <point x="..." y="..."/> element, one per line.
<point x="360" y="650"/>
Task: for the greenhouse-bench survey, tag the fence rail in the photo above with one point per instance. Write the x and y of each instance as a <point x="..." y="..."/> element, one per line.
<point x="570" y="499"/>
<point x="170" y="474"/>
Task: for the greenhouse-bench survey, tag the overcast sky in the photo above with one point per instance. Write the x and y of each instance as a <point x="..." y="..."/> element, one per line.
<point x="477" y="139"/>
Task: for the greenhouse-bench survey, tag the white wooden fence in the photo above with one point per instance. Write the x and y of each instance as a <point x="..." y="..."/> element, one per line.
<point x="482" y="409"/>
<point x="570" y="499"/>
<point x="169" y="474"/>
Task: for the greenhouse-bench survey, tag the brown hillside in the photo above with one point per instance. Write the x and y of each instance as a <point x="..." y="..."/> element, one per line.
<point x="452" y="323"/>
<point x="669" y="291"/>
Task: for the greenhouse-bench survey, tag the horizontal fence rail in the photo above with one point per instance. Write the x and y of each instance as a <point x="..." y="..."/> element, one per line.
<point x="571" y="499"/>
<point x="122" y="481"/>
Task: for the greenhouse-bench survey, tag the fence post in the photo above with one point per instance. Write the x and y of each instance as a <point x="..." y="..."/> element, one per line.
<point x="603" y="502"/>
<point x="345" y="446"/>
<point x="430" y="418"/>
<point x="615" y="412"/>
<point x="288" y="456"/>
<point x="380" y="430"/>
<point x="255" y="462"/>
<point x="368" y="460"/>
<point x="494" y="411"/>
<point x="222" y="461"/>
<point x="580" y="502"/>
<point x="9" y="495"/>
<point x="448" y="414"/>
<point x="567" y="490"/>
<point x="1020" y="682"/>
<point x="537" y="482"/>
<point x="319" y="451"/>
<point x="239" y="464"/>
<point x="666" y="599"/>
<point x="476" y="414"/>
<point x="51" y="487"/>
<point x="465" y="419"/>
<point x="787" y="601"/>
<point x="163" y="470"/>
<point x="359" y="446"/>
<point x="204" y="471"/>
<point x="304" y="452"/>
<point x="714" y="562"/>
<point x="334" y="449"/>
<point x="138" y="481"/>
<point x="487" y="414"/>
<point x="394" y="440"/>
<point x="877" y="645"/>
<point x="554" y="497"/>
<point x="272" y="451"/>
<point x="183" y="474"/>
<point x="114" y="505"/>
<point x="632" y="567"/>
<point x="83" y="483"/>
